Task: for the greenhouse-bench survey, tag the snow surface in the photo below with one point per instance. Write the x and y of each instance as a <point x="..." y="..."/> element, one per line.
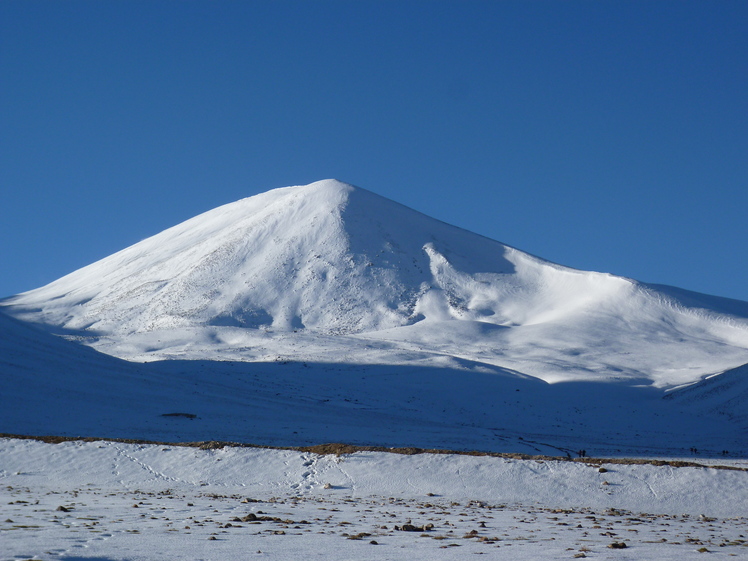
<point x="327" y="313"/>
<point x="324" y="313"/>
<point x="54" y="386"/>
<point x="331" y="260"/>
<point x="114" y="501"/>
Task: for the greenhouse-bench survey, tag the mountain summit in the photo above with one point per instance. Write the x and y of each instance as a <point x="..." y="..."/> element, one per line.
<point x="326" y="257"/>
<point x="335" y="273"/>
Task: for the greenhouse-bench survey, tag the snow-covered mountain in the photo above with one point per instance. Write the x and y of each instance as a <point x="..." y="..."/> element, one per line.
<point x="342" y="315"/>
<point x="357" y="277"/>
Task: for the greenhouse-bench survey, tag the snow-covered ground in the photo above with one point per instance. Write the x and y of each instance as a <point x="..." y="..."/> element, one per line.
<point x="115" y="501"/>
<point x="54" y="386"/>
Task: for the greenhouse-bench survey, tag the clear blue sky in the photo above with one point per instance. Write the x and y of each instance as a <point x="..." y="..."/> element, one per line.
<point x="610" y="136"/>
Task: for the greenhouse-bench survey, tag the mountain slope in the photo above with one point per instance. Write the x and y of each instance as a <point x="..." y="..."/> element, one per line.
<point x="724" y="394"/>
<point x="327" y="313"/>
<point x="53" y="386"/>
<point x="325" y="256"/>
<point x="332" y="273"/>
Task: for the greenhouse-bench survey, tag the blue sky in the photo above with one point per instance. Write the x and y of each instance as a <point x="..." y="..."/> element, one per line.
<point x="610" y="136"/>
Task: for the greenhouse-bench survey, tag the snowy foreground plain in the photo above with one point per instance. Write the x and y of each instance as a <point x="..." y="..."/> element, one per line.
<point x="115" y="501"/>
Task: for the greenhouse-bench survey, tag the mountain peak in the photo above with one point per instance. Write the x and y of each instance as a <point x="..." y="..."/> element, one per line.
<point x="326" y="256"/>
<point x="330" y="186"/>
<point x="336" y="266"/>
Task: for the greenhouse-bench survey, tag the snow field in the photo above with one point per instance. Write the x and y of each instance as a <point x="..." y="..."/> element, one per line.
<point x="114" y="501"/>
